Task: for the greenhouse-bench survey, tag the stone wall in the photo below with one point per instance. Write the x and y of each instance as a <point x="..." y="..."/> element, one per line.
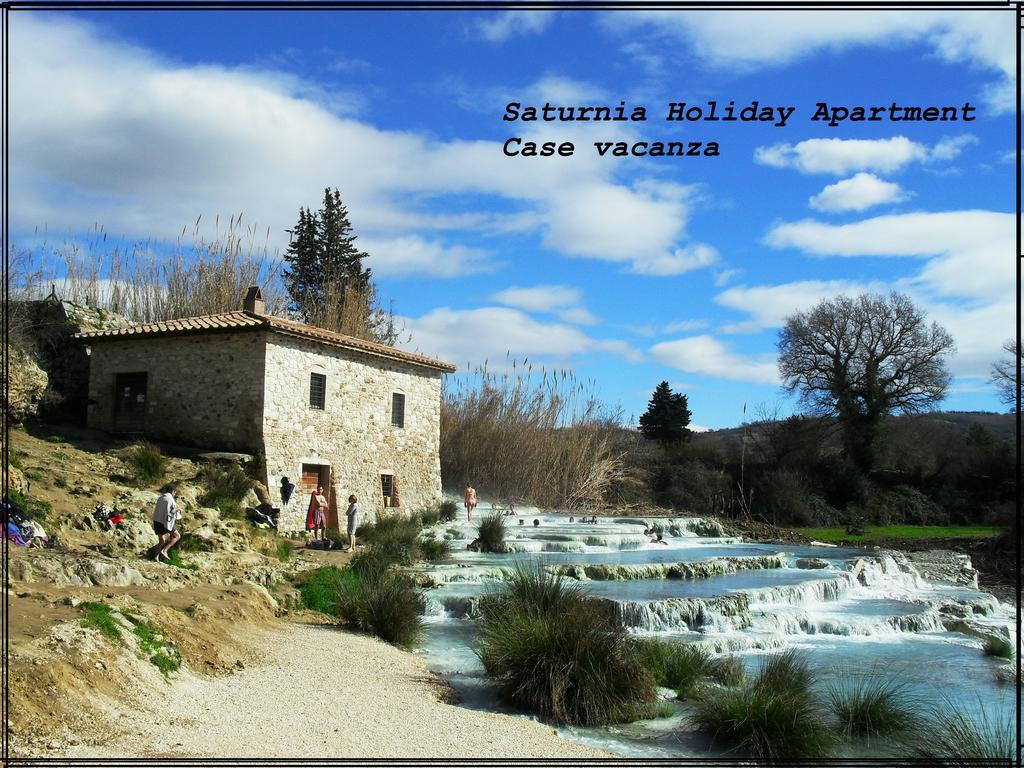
<point x="203" y="389"/>
<point x="353" y="433"/>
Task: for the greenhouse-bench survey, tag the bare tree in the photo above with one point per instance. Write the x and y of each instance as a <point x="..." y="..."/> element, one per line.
<point x="1004" y="373"/>
<point x="862" y="358"/>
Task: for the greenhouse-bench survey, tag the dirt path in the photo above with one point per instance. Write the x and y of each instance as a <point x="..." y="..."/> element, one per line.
<point x="321" y="693"/>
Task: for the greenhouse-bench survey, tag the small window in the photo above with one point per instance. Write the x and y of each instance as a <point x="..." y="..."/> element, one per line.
<point x="317" y="390"/>
<point x="397" y="409"/>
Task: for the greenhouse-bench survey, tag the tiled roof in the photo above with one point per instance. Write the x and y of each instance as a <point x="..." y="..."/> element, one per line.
<point x="229" y="321"/>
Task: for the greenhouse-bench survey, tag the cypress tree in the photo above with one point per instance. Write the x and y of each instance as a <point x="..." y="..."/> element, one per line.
<point x="667" y="417"/>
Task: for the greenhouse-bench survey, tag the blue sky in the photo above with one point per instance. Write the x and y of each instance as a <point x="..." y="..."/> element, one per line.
<point x="628" y="270"/>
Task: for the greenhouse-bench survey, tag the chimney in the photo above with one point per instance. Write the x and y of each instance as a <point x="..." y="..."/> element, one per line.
<point x="253" y="302"/>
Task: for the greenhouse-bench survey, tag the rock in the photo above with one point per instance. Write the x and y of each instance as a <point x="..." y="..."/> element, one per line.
<point x="250" y="499"/>
<point x="261" y="492"/>
<point x="16" y="479"/>
<point x="134" y="535"/>
<point x="26" y="383"/>
<point x="113" y="575"/>
<point x="812" y="563"/>
<point x="72" y="601"/>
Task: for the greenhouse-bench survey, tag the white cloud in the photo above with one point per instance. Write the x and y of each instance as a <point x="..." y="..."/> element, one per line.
<point x="499" y="27"/>
<point x="749" y="41"/>
<point x="725" y="276"/>
<point x="539" y="298"/>
<point x="767" y="306"/>
<point x="970" y="253"/>
<point x="707" y="355"/>
<point x="107" y="132"/>
<point x="841" y="156"/>
<point x="413" y="255"/>
<point x="857" y="193"/>
<point x="489" y="333"/>
<point x="685" y="326"/>
<point x="579" y="316"/>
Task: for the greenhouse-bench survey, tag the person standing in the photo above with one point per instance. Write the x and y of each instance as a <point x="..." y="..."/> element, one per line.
<point x="165" y="516"/>
<point x="470" y="499"/>
<point x="352" y="513"/>
<point x="316" y="515"/>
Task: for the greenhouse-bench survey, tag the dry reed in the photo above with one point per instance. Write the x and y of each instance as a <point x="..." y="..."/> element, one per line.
<point x="543" y="440"/>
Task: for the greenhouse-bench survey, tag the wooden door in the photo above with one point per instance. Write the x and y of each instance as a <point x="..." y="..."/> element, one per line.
<point x="314" y="475"/>
<point x="130" y="397"/>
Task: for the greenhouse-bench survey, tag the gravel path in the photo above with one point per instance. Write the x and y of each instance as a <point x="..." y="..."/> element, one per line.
<point x="321" y="692"/>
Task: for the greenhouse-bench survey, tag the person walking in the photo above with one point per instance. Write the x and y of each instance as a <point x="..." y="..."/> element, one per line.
<point x="352" y="513"/>
<point x="316" y="515"/>
<point x="165" y="516"/>
<point x="470" y="499"/>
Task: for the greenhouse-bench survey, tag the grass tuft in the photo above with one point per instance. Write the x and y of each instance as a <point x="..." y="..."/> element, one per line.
<point x="153" y="639"/>
<point x="381" y="600"/>
<point x="224" y="486"/>
<point x="147" y="462"/>
<point x="999" y="647"/>
<point x="319" y="591"/>
<point x="951" y="739"/>
<point x="447" y="511"/>
<point x="492" y="533"/>
<point x="174" y="558"/>
<point x="680" y="666"/>
<point x="870" y="706"/>
<point x="775" y="716"/>
<point x="560" y="655"/>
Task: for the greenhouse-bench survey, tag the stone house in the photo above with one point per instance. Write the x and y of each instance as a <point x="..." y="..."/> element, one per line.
<point x="319" y="407"/>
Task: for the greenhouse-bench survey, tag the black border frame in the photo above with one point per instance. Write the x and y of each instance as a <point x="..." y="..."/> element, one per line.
<point x="8" y="7"/>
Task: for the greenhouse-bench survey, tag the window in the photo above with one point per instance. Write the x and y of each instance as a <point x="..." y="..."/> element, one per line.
<point x="389" y="489"/>
<point x="317" y="390"/>
<point x="397" y="409"/>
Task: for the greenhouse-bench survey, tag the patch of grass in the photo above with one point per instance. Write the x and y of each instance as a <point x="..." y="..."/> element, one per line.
<point x="14" y="459"/>
<point x="54" y="439"/>
<point x="153" y="640"/>
<point x="100" y="616"/>
<point x="775" y="716"/>
<point x="224" y="486"/>
<point x="871" y="705"/>
<point x="147" y="462"/>
<point x="60" y="481"/>
<point x="60" y="456"/>
<point x="37" y="509"/>
<point x="34" y="475"/>
<point x="284" y="551"/>
<point x="319" y="590"/>
<point x="447" y="511"/>
<point x="951" y="739"/>
<point x="382" y="601"/>
<point x="174" y="558"/>
<point x="561" y="655"/>
<point x="491" y="533"/>
<point x="999" y="647"/>
<point x="872" y="532"/>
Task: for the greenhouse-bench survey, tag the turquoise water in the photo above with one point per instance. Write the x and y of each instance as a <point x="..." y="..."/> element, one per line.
<point x="855" y="613"/>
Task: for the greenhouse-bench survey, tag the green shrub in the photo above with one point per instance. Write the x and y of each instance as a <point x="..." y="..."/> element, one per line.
<point x="951" y="739"/>
<point x="284" y="551"/>
<point x="491" y="533"/>
<point x="100" y="616"/>
<point x="999" y="647"/>
<point x="447" y="511"/>
<point x="147" y="462"/>
<point x="871" y="705"/>
<point x="54" y="439"/>
<point x="224" y="486"/>
<point x="60" y="481"/>
<point x="382" y="601"/>
<point x="14" y="459"/>
<point x="319" y="590"/>
<point x="560" y="655"/>
<point x="775" y="716"/>
<point x="36" y="509"/>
